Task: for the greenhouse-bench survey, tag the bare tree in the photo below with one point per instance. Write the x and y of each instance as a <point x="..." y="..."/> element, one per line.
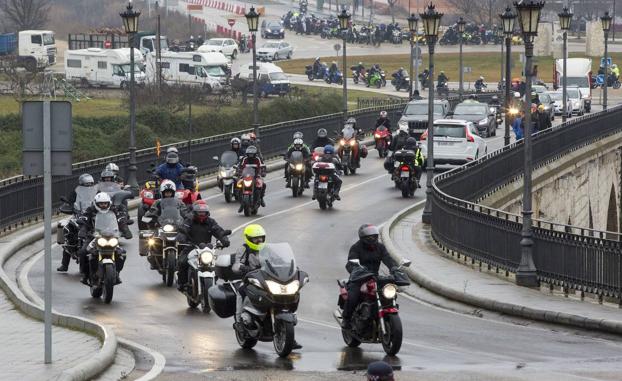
<point x="392" y="4"/>
<point x="25" y="14"/>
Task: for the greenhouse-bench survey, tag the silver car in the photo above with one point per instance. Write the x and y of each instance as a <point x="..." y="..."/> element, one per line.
<point x="576" y="99"/>
<point x="273" y="51"/>
<point x="557" y="98"/>
<point x="456" y="142"/>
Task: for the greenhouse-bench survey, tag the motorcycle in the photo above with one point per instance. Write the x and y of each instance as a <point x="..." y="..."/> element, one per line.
<point x="148" y="196"/>
<point x="316" y="154"/>
<point x="320" y="74"/>
<point x="201" y="274"/>
<point x="442" y="89"/>
<point x="599" y="81"/>
<point x="349" y="150"/>
<point x="226" y="173"/>
<point x="376" y="317"/>
<point x="496" y="109"/>
<point x="404" y="173"/>
<point x="401" y="82"/>
<point x="396" y="36"/>
<point x="103" y="270"/>
<point x="272" y="297"/>
<point x="323" y="186"/>
<point x="67" y="230"/>
<point x="335" y="77"/>
<point x="162" y="246"/>
<point x="248" y="187"/>
<point x="296" y="173"/>
<point x="189" y="196"/>
<point x="479" y="87"/>
<point x="358" y="76"/>
<point x="382" y="137"/>
<point x="375" y="80"/>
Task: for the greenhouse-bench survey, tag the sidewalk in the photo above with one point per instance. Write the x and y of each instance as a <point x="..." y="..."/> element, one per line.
<point x="438" y="272"/>
<point x="21" y="346"/>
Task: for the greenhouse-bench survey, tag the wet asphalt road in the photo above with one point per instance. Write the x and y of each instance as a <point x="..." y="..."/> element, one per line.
<point x="435" y="340"/>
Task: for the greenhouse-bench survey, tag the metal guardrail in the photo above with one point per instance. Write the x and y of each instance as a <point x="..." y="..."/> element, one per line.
<point x="572" y="257"/>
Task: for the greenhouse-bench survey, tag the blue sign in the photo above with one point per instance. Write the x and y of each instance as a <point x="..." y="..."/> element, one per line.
<point x="602" y="62"/>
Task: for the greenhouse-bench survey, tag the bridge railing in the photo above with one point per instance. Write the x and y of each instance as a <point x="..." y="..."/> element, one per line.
<point x="569" y="256"/>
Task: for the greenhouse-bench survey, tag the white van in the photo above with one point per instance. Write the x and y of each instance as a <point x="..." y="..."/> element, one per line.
<point x="208" y="70"/>
<point x="579" y="72"/>
<point x="272" y="80"/>
<point x="103" y="67"/>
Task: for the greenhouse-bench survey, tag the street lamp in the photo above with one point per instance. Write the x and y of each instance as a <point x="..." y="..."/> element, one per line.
<point x="507" y="18"/>
<point x="461" y="24"/>
<point x="413" y="26"/>
<point x="528" y="18"/>
<point x="564" y="22"/>
<point x="130" y="23"/>
<point x="344" y="23"/>
<point x="431" y="22"/>
<point x="606" y="21"/>
<point x="252" y="19"/>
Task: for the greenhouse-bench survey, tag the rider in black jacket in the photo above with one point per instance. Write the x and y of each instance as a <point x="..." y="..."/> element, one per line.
<point x="330" y="156"/>
<point x="370" y="253"/>
<point x="322" y="139"/>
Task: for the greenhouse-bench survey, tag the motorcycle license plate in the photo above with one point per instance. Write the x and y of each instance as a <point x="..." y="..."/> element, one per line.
<point x="445" y="143"/>
<point x="323" y="185"/>
<point x="405" y="174"/>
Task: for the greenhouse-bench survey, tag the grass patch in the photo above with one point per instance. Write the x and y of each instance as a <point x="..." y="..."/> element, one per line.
<point x="337" y="91"/>
<point x="487" y="64"/>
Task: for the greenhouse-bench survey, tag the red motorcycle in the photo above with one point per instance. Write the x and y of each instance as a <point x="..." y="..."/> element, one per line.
<point x="249" y="188"/>
<point x="382" y="136"/>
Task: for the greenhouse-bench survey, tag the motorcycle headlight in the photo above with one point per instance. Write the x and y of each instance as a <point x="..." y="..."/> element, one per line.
<point x="402" y="123"/>
<point x="248" y="183"/>
<point x="342" y="142"/>
<point x="283" y="289"/>
<point x="389" y="291"/>
<point x="206" y="257"/>
<point x="223" y="173"/>
<point x="151" y="242"/>
<point x="103" y="242"/>
<point x="113" y="242"/>
<point x="281" y="30"/>
<point x="168" y="228"/>
<point x="299" y="167"/>
<point x="492" y="109"/>
<point x="377" y="136"/>
<point x="148" y="195"/>
<point x="483" y="121"/>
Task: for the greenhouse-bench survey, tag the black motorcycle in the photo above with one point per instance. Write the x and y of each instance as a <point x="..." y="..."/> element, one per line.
<point x="296" y="173"/>
<point x="103" y="252"/>
<point x="323" y="186"/>
<point x="67" y="230"/>
<point x="404" y="172"/>
<point x="442" y="89"/>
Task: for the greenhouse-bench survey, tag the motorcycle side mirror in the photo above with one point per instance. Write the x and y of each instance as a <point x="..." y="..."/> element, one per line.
<point x="215" y="158"/>
<point x="406" y="263"/>
<point x="227" y="232"/>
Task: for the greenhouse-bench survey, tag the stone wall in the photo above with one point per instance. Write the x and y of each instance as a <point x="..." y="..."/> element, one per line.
<point x="594" y="39"/>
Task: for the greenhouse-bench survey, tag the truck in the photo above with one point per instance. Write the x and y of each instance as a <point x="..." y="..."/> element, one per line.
<point x="205" y="70"/>
<point x="579" y="71"/>
<point x="103" y="67"/>
<point x="32" y="49"/>
<point x="144" y="41"/>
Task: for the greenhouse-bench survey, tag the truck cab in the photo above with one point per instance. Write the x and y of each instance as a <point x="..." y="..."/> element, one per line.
<point x="37" y="48"/>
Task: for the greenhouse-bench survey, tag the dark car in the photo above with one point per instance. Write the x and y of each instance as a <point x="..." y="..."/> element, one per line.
<point x="415" y="115"/>
<point x="272" y="29"/>
<point x="478" y="113"/>
<point x="548" y="103"/>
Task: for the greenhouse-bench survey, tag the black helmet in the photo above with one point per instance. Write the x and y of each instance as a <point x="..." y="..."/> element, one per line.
<point x="369" y="233"/>
<point x="251" y="151"/>
<point x="411" y="143"/>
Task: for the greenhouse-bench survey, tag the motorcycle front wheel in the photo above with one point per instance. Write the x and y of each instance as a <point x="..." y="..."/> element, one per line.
<point x="110" y="278"/>
<point x="283" y="338"/>
<point x="206" y="284"/>
<point x="193" y="290"/>
<point x="349" y="339"/>
<point x="244" y="342"/>
<point x="228" y="193"/>
<point x="392" y="341"/>
<point x="170" y="270"/>
<point x="295" y="187"/>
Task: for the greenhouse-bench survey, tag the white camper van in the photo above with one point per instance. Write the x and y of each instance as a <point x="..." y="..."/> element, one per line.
<point x="103" y="67"/>
<point x="207" y="70"/>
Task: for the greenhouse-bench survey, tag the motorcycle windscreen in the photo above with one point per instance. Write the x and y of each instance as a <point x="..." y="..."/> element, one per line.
<point x="248" y="171"/>
<point x="84" y="197"/>
<point x="348" y="132"/>
<point x="106" y="224"/>
<point x="169" y="214"/>
<point x="277" y="260"/>
<point x="381" y="128"/>
<point x="228" y="159"/>
<point x="109" y="187"/>
<point x="296" y="157"/>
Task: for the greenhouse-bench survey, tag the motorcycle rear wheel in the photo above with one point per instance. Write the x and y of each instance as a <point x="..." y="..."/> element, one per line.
<point x="247" y="210"/>
<point x="392" y="341"/>
<point x="283" y="338"/>
<point x="405" y="190"/>
<point x="110" y="278"/>
<point x="322" y="204"/>
<point x="381" y="152"/>
<point x="349" y="339"/>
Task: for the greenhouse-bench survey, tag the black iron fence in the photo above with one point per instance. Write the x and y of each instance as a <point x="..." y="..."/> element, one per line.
<point x="568" y="256"/>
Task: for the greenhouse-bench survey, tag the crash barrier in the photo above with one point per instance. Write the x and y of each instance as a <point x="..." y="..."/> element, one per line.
<point x="238" y="9"/>
<point x="571" y="257"/>
<point x="21" y="197"/>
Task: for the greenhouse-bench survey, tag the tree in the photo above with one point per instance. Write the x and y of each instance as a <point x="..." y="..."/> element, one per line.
<point x="25" y="14"/>
<point x="392" y="9"/>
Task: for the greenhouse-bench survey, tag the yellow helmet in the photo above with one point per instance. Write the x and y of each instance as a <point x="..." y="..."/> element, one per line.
<point x="254" y="237"/>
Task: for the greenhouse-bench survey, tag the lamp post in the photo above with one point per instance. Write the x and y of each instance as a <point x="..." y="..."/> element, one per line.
<point x="431" y="22"/>
<point x="606" y="22"/>
<point x="507" y="19"/>
<point x="413" y="22"/>
<point x="252" y="19"/>
<point x="529" y="18"/>
<point x="461" y="24"/>
<point x="564" y="22"/>
<point x="344" y="23"/>
<point x="130" y="23"/>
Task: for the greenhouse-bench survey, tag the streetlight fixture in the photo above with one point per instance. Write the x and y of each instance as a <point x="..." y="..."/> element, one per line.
<point x="606" y="22"/>
<point x="431" y="22"/>
<point x="252" y="19"/>
<point x="130" y="23"/>
<point x="564" y="22"/>
<point x="508" y="18"/>
<point x="344" y="23"/>
<point x="528" y="18"/>
<point x="461" y="25"/>
<point x="413" y="26"/>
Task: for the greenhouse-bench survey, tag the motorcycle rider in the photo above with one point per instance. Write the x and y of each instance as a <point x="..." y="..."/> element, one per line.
<point x="400" y="76"/>
<point x="199" y="228"/>
<point x="252" y="157"/>
<point x="479" y="84"/>
<point x="400" y="140"/>
<point x="411" y="144"/>
<point x="101" y="204"/>
<point x="494" y="101"/>
<point x="112" y="167"/>
<point x="417" y="96"/>
<point x="322" y="139"/>
<point x="84" y="181"/>
<point x="298" y="145"/>
<point x="379" y="371"/>
<point x="370" y="254"/>
<point x="171" y="170"/>
<point x="372" y="70"/>
<point x="360" y="69"/>
<point x="441" y="79"/>
<point x="316" y="66"/>
<point x="245" y="142"/>
<point x="236" y="146"/>
<point x="108" y="176"/>
<point x="424" y="76"/>
<point x="383" y="120"/>
<point x="330" y="156"/>
<point x="332" y="70"/>
<point x="167" y="190"/>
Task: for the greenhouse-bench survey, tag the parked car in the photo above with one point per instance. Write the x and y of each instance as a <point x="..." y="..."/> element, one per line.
<point x="557" y="98"/>
<point x="479" y="114"/>
<point x="273" y="51"/>
<point x="456" y="142"/>
<point x="548" y="103"/>
<point x="576" y="99"/>
<point x="539" y="89"/>
<point x="226" y="46"/>
<point x="272" y="29"/>
<point x="415" y="115"/>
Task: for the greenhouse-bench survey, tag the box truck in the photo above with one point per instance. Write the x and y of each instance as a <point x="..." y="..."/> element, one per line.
<point x="579" y="72"/>
<point x="32" y="49"/>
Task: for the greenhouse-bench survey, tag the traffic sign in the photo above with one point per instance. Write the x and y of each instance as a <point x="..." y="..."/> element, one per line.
<point x="231" y="22"/>
<point x="337" y="47"/>
<point x="467" y="69"/>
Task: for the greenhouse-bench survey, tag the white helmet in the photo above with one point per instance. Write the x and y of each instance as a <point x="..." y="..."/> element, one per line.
<point x="298" y="143"/>
<point x="383" y="114"/>
<point x="172" y="149"/>
<point x="102" y="202"/>
<point x="167" y="185"/>
<point x="113" y="168"/>
<point x="403" y="129"/>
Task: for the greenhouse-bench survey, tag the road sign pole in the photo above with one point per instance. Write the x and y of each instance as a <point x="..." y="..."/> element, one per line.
<point x="47" y="224"/>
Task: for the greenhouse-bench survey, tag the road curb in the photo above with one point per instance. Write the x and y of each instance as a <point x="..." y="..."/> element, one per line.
<point x="549" y="316"/>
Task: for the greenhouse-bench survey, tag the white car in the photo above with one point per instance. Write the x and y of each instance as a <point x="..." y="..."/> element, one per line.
<point x="226" y="46"/>
<point x="273" y="51"/>
<point x="576" y="99"/>
<point x="557" y="97"/>
<point x="456" y="142"/>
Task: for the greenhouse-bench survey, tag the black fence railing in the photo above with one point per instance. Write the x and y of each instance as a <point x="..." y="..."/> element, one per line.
<point x="567" y="256"/>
